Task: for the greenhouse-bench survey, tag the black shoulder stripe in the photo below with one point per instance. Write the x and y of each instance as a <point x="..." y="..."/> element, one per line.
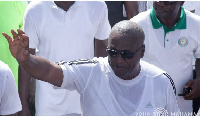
<point x="61" y="62"/>
<point x="80" y="61"/>
<point x="172" y="82"/>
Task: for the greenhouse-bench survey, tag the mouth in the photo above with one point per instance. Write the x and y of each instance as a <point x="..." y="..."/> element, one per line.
<point x="118" y="68"/>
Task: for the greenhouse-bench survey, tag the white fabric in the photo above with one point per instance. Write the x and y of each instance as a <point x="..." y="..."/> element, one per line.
<point x="198" y="114"/>
<point x="192" y="5"/>
<point x="174" y="59"/>
<point x="142" y="6"/>
<point x="149" y="4"/>
<point x="103" y="93"/>
<point x="60" y="35"/>
<point x="9" y="98"/>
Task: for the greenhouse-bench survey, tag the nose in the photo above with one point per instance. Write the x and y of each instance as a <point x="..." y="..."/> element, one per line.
<point x="119" y="59"/>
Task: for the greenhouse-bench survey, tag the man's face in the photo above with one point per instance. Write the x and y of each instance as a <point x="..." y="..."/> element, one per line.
<point x="124" y="67"/>
<point x="167" y="9"/>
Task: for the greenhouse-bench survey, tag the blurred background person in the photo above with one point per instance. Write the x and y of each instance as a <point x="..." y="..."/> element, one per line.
<point x="10" y="103"/>
<point x="115" y="10"/>
<point x="10" y="10"/>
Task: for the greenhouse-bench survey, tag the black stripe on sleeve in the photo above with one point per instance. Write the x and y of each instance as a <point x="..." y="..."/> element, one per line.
<point x="172" y="82"/>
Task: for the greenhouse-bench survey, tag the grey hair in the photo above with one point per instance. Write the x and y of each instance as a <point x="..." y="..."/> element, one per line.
<point x="127" y="27"/>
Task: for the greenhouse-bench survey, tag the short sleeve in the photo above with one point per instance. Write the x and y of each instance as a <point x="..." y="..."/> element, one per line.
<point x="104" y="28"/>
<point x="172" y="105"/>
<point x="76" y="77"/>
<point x="10" y="101"/>
<point x="30" y="28"/>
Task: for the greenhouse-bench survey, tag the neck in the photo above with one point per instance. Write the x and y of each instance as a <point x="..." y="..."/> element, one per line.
<point x="65" y="5"/>
<point x="170" y="21"/>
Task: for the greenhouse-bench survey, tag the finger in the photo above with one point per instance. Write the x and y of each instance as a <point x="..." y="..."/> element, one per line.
<point x="25" y="41"/>
<point x="20" y="31"/>
<point x="190" y="96"/>
<point x="15" y="35"/>
<point x="189" y="83"/>
<point x="9" y="39"/>
<point x="193" y="93"/>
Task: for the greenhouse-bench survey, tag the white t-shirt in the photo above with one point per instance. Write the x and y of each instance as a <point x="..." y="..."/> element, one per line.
<point x="60" y="35"/>
<point x="181" y="46"/>
<point x="9" y="98"/>
<point x="192" y="6"/>
<point x="103" y="93"/>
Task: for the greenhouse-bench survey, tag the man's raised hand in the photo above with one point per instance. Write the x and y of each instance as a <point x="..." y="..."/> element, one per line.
<point x="19" y="45"/>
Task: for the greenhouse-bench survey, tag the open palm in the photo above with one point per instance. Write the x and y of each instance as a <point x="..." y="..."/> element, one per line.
<point x="19" y="45"/>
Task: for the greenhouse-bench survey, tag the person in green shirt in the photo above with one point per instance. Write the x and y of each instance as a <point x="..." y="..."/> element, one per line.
<point x="10" y="10"/>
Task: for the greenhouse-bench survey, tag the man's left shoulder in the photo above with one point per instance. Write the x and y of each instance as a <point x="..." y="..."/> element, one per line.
<point x="154" y="71"/>
<point x="157" y="75"/>
<point x="150" y="69"/>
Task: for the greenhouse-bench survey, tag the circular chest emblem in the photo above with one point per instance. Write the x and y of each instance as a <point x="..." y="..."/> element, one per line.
<point x="183" y="41"/>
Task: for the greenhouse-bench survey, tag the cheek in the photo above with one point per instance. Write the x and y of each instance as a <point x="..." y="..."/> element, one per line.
<point x="112" y="61"/>
<point x="132" y="63"/>
<point x="174" y="10"/>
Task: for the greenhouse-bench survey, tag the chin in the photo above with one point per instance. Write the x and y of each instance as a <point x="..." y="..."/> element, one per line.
<point x="122" y="76"/>
<point x="162" y="15"/>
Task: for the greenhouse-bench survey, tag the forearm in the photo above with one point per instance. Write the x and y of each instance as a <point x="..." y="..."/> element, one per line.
<point x="42" y="69"/>
<point x="24" y="86"/>
<point x="34" y="67"/>
<point x="197" y="68"/>
<point x="131" y="8"/>
<point x="23" y="81"/>
<point x="100" y="48"/>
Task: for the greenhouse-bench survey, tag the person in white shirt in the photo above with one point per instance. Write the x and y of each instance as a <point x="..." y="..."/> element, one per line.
<point x="10" y="103"/>
<point x="119" y="84"/>
<point x="192" y="6"/>
<point x="172" y="42"/>
<point x="63" y="30"/>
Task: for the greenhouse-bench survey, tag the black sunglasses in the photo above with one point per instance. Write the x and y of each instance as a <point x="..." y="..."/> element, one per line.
<point x="125" y="54"/>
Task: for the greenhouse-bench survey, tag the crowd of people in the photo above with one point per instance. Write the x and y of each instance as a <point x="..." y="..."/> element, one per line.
<point x="114" y="58"/>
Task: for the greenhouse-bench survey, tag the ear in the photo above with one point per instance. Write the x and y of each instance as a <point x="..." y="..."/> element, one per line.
<point x="142" y="51"/>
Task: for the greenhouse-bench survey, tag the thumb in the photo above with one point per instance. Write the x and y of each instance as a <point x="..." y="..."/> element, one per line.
<point x="189" y="83"/>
